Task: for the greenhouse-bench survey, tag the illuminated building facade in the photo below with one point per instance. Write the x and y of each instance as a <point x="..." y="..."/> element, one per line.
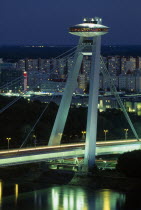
<point x="8" y="73"/>
<point x="119" y="67"/>
<point x="25" y="80"/>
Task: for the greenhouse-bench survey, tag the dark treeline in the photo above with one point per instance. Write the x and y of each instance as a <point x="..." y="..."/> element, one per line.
<point x="17" y="121"/>
<point x="129" y="164"/>
<point x="20" y="52"/>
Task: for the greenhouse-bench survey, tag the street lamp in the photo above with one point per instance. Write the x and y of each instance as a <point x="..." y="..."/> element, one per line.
<point x="83" y="134"/>
<point x="34" y="136"/>
<point x="126" y="133"/>
<point x="105" y="163"/>
<point x="105" y="132"/>
<point x="8" y="139"/>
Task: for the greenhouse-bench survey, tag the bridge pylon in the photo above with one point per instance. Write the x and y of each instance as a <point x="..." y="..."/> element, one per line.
<point x="90" y="32"/>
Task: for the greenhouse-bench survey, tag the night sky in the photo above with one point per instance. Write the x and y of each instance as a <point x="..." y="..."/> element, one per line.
<point x="47" y="21"/>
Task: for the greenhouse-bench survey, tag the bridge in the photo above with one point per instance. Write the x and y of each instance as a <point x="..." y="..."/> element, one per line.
<point x="90" y="32"/>
<point x="47" y="153"/>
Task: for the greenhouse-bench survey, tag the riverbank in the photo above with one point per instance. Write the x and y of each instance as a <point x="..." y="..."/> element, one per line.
<point x="107" y="180"/>
<point x="102" y="179"/>
<point x="35" y="176"/>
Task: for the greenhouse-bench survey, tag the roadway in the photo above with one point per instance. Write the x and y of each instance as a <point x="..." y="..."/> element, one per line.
<point x="44" y="153"/>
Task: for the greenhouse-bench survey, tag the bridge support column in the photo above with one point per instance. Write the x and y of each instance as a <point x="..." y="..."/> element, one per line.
<point x="76" y="161"/>
<point x="91" y="131"/>
<point x="62" y="114"/>
<point x="85" y="47"/>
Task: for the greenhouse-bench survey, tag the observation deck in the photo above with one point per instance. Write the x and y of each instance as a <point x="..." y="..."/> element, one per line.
<point x="89" y="28"/>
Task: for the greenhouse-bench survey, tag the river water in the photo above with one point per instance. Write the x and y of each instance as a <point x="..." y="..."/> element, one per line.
<point x="63" y="197"/>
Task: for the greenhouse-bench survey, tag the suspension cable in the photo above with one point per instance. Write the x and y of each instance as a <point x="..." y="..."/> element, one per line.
<point x="15" y="100"/>
<point x="57" y="57"/>
<point x="35" y="125"/>
<point x="10" y="104"/>
<point x="65" y="52"/>
<point x="115" y="93"/>
<point x="39" y="117"/>
<point x="12" y="82"/>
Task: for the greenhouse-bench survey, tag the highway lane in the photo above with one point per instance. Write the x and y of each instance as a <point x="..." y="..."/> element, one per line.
<point x="64" y="146"/>
<point x="38" y="154"/>
<point x="38" y="157"/>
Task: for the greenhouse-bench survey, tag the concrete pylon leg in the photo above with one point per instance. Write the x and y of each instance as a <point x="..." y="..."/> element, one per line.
<point x="62" y="114"/>
<point x="91" y="131"/>
<point x="76" y="161"/>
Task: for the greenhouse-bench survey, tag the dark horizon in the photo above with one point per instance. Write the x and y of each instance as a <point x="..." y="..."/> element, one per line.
<point x="50" y="51"/>
<point x="57" y="45"/>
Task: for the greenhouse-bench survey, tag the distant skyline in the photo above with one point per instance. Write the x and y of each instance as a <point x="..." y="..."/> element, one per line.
<point x="47" y="21"/>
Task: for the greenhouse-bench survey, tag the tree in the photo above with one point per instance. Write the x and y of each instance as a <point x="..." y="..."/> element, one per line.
<point x="129" y="163"/>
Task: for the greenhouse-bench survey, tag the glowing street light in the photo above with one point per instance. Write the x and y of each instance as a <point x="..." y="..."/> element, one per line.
<point x="105" y="163"/>
<point x="8" y="139"/>
<point x="105" y="132"/>
<point x="34" y="136"/>
<point x="126" y="133"/>
<point x="83" y="134"/>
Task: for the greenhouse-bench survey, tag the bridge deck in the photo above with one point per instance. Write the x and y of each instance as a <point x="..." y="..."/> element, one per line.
<point x="38" y="154"/>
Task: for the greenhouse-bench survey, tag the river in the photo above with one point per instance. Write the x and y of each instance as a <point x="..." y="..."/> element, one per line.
<point x="64" y="197"/>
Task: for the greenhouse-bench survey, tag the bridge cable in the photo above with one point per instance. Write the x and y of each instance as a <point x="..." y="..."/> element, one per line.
<point x="15" y="100"/>
<point x="65" y="52"/>
<point x="113" y="89"/>
<point x="12" y="82"/>
<point x="38" y="119"/>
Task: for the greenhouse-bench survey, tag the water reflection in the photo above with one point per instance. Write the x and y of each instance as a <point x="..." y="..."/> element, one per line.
<point x="112" y="200"/>
<point x="106" y="200"/>
<point x="16" y="192"/>
<point x="0" y="194"/>
<point x="64" y="198"/>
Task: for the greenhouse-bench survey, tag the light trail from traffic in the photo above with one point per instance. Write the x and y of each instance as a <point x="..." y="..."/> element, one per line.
<point x="64" y="146"/>
<point x="67" y="151"/>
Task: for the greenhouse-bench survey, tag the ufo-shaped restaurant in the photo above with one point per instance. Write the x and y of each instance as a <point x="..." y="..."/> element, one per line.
<point x="89" y="28"/>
